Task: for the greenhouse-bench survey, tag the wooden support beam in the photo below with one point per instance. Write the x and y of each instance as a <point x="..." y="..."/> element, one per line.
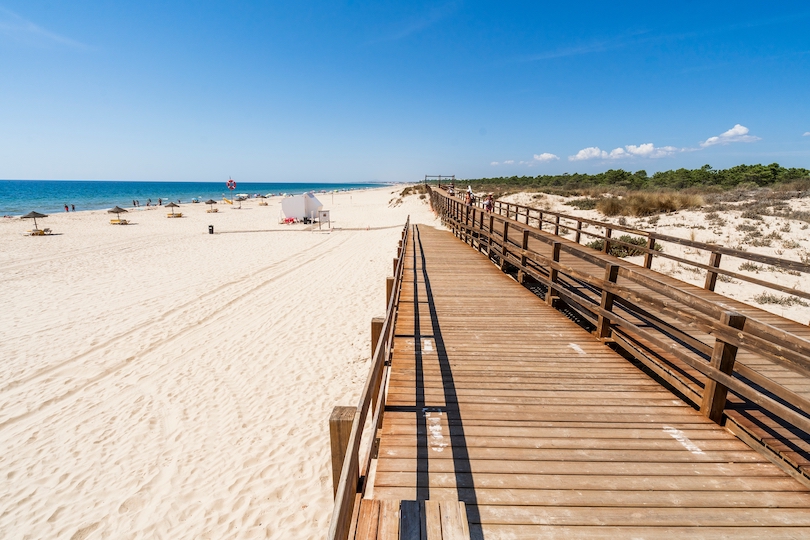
<point x="396" y="260"/>
<point x="504" y="251"/>
<point x="557" y="225"/>
<point x="603" y="323"/>
<point x="606" y="243"/>
<point x="376" y="330"/>
<point x="524" y="245"/>
<point x="648" y="257"/>
<point x="711" y="277"/>
<point x="579" y="231"/>
<point x="340" y="427"/>
<point x="551" y="295"/>
<point x="389" y="290"/>
<point x="723" y="357"/>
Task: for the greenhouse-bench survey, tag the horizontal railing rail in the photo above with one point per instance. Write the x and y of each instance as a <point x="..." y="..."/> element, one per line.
<point x="690" y="341"/>
<point x="576" y="227"/>
<point x="370" y="409"/>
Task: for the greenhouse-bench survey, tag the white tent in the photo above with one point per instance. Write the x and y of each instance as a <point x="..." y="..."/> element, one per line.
<point x="301" y="206"/>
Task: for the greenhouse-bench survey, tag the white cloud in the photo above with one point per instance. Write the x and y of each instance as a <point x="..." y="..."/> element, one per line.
<point x="592" y="152"/>
<point x="545" y="156"/>
<point x="806" y="134"/>
<point x="509" y="162"/>
<point x="738" y="133"/>
<point x="646" y="150"/>
<point x="494" y="163"/>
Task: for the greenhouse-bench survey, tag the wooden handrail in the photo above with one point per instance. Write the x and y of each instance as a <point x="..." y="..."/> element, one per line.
<point x="714" y="250"/>
<point x="352" y="475"/>
<point x="618" y="305"/>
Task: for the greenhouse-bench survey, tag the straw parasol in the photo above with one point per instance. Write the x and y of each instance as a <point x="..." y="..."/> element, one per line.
<point x="34" y="216"/>
<point x="209" y="202"/>
<point x="117" y="210"/>
<point x="172" y="206"/>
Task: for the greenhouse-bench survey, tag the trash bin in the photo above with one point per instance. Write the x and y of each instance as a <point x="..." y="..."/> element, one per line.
<point x="210" y="229"/>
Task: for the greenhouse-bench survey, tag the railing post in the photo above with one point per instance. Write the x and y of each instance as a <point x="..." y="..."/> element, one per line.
<point x="389" y="290"/>
<point x="603" y="323"/>
<point x="557" y="226"/>
<point x="396" y="260"/>
<point x="723" y="357"/>
<point x="648" y="257"/>
<point x="480" y="230"/>
<point x="376" y="331"/>
<point x="606" y="243"/>
<point x="711" y="277"/>
<point x="552" y="273"/>
<point x="489" y="236"/>
<point x="505" y="240"/>
<point x="340" y="428"/>
<point x="540" y="221"/>
<point x="579" y="231"/>
<point x="467" y="236"/>
<point x="524" y="246"/>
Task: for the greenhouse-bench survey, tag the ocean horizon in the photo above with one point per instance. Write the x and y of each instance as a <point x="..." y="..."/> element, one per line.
<point x="18" y="197"/>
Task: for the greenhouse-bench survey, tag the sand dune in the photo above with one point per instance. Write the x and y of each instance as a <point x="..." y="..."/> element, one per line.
<point x="160" y="382"/>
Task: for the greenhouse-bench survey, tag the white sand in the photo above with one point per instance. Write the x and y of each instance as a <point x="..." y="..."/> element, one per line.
<point x="789" y="239"/>
<point x="160" y="382"/>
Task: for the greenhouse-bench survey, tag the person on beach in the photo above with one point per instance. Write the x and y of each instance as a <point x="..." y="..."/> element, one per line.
<point x="148" y="202"/>
<point x="66" y="208"/>
<point x="72" y="207"/>
<point x="160" y="202"/>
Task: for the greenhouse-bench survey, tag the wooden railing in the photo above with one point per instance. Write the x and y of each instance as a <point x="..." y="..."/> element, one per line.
<point x="671" y="330"/>
<point x="576" y="228"/>
<point x="353" y="472"/>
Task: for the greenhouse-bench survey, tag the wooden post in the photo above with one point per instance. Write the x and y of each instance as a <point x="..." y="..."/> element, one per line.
<point x="711" y="277"/>
<point x="552" y="273"/>
<point x="340" y="427"/>
<point x="579" y="231"/>
<point x="395" y="266"/>
<point x="389" y="290"/>
<point x="557" y="226"/>
<point x="399" y="249"/>
<point x="376" y="329"/>
<point x="467" y="237"/>
<point x="524" y="245"/>
<point x="648" y="257"/>
<point x="489" y="237"/>
<point x="606" y="244"/>
<point x="505" y="240"/>
<point x="603" y="323"/>
<point x="540" y="221"/>
<point x="723" y="357"/>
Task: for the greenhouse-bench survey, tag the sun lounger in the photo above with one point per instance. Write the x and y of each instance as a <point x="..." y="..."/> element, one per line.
<point x="36" y="232"/>
<point x="176" y="214"/>
<point x="119" y="222"/>
<point x="212" y="210"/>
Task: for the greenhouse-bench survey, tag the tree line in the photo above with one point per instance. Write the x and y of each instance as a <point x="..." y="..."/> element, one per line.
<point x="704" y="177"/>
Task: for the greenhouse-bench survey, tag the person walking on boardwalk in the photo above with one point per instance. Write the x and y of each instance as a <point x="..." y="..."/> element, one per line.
<point x="468" y="199"/>
<point x="488" y="203"/>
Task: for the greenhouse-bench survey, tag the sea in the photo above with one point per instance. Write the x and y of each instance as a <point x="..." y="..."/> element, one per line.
<point x="18" y="197"/>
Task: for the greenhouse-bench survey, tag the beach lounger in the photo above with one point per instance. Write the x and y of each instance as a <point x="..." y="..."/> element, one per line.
<point x="119" y="222"/>
<point x="177" y="214"/>
<point x="212" y="210"/>
<point x="36" y="232"/>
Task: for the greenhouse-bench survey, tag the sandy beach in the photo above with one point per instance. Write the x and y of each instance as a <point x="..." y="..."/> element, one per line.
<point x="161" y="382"/>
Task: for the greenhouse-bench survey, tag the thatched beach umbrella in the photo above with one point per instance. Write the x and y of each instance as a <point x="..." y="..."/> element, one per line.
<point x="209" y="202"/>
<point x="117" y="210"/>
<point x="172" y="206"/>
<point x="34" y="216"/>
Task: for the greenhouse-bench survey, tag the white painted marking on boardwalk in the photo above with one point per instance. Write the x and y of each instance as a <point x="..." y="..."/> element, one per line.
<point x="679" y="436"/>
<point x="577" y="348"/>
<point x="434" y="425"/>
<point x="427" y="346"/>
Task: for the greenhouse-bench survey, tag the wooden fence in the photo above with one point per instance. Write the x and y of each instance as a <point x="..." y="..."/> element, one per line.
<point x="369" y="412"/>
<point x="687" y="339"/>
<point x="576" y="228"/>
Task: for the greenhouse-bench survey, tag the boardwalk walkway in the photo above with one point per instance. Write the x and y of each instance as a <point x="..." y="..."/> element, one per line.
<point x="497" y="400"/>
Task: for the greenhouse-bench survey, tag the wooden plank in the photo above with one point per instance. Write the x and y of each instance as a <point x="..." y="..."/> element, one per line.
<point x="368" y="520"/>
<point x="389" y="520"/>
<point x="410" y="524"/>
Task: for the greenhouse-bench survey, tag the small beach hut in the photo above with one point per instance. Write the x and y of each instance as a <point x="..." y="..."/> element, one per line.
<point x="211" y="203"/>
<point x="301" y="206"/>
<point x="34" y="216"/>
<point x="117" y="211"/>
<point x="173" y="206"/>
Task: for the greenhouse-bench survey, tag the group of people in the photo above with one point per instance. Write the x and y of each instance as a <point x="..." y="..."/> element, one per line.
<point x="469" y="197"/>
<point x="136" y="203"/>
<point x="70" y="208"/>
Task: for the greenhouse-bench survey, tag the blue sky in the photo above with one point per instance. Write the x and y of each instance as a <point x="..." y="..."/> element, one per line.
<point x="390" y="91"/>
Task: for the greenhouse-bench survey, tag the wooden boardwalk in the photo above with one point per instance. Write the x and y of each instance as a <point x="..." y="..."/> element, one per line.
<point x="497" y="400"/>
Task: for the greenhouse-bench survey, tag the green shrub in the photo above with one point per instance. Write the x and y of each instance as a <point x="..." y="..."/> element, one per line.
<point x="624" y="251"/>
